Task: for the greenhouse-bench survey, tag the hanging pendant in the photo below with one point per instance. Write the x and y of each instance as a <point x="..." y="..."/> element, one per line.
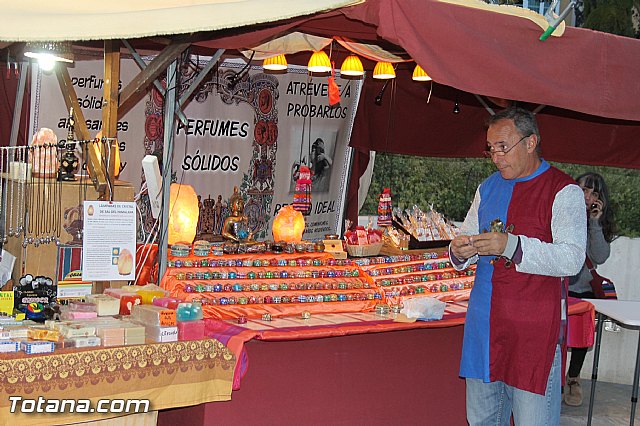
<point x="302" y="194"/>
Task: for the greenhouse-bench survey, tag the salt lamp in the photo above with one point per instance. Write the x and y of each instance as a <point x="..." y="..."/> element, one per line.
<point x="183" y="213"/>
<point x="45" y="160"/>
<point x="288" y="225"/>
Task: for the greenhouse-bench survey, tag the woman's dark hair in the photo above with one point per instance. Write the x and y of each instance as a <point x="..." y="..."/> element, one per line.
<point x="596" y="183"/>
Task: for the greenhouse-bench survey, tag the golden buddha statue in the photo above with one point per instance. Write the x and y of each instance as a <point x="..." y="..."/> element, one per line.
<point x="236" y="225"/>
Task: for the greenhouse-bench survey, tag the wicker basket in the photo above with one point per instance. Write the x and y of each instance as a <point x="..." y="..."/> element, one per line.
<point x="364" y="250"/>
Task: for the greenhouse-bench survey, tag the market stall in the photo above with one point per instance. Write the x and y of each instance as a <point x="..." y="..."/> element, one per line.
<point x="327" y="315"/>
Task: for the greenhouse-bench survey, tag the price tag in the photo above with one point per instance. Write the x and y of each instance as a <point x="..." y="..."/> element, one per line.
<point x="167" y="318"/>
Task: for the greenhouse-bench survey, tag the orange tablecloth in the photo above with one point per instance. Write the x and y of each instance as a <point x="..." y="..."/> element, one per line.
<point x="168" y="374"/>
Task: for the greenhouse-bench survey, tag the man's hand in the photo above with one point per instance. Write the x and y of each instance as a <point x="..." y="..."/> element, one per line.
<point x="490" y="243"/>
<point x="462" y="247"/>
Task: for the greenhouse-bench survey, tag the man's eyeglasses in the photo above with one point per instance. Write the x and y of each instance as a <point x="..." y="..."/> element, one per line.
<point x="502" y="149"/>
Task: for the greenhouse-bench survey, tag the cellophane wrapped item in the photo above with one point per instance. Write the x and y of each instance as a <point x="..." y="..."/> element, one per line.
<point x="425" y="226"/>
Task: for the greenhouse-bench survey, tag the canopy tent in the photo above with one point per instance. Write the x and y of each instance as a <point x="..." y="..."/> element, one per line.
<point x="38" y="20"/>
<point x="586" y="80"/>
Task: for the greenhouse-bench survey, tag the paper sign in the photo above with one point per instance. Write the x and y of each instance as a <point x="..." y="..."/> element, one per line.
<point x="167" y="318"/>
<point x="109" y="242"/>
<point x="6" y="302"/>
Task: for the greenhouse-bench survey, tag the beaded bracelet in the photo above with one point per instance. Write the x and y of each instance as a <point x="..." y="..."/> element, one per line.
<point x="180" y="250"/>
<point x="434" y="288"/>
<point x="178" y="263"/>
<point x="286" y="299"/>
<point x="300" y="286"/>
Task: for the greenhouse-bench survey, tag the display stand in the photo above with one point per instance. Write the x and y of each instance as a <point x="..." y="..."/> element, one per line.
<point x="41" y="260"/>
<point x="251" y="285"/>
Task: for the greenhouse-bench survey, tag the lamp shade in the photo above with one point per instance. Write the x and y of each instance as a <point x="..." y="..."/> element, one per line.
<point x="419" y="74"/>
<point x="384" y="71"/>
<point x="183" y="213"/>
<point x="49" y="52"/>
<point x="352" y="66"/>
<point x="288" y="225"/>
<point x="275" y="63"/>
<point x="319" y="62"/>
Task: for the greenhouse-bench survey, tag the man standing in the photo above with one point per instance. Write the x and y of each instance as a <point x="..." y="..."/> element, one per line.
<point x="526" y="229"/>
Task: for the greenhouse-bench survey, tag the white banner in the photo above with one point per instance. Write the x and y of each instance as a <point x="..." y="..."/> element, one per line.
<point x="253" y="134"/>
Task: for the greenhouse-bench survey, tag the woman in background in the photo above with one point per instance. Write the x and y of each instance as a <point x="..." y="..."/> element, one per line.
<point x="600" y="234"/>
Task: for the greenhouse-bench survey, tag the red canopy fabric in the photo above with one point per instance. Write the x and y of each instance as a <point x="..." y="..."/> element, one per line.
<point x="500" y="55"/>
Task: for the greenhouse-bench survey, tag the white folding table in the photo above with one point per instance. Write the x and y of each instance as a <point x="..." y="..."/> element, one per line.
<point x="625" y="312"/>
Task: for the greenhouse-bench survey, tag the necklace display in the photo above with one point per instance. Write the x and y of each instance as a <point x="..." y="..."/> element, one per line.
<point x="30" y="196"/>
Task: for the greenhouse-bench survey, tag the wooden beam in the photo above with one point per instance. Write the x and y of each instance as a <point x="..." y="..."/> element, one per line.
<point x="82" y="132"/>
<point x="138" y="86"/>
<point x="110" y="108"/>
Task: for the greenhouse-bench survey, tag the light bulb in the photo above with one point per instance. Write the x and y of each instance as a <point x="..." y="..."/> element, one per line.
<point x="46" y="62"/>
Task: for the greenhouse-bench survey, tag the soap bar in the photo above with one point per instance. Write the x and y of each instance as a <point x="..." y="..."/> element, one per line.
<point x="17" y="331"/>
<point x="128" y="301"/>
<point x="43" y="333"/>
<point x="9" y="346"/>
<point x="70" y="330"/>
<point x="191" y="330"/>
<point x="149" y="295"/>
<point x="188" y="311"/>
<point x="78" y="306"/>
<point x="154" y="315"/>
<point x="85" y="342"/>
<point x="162" y="334"/>
<point x="105" y="305"/>
<point x="167" y="302"/>
<point x="72" y="315"/>
<point x="36" y="347"/>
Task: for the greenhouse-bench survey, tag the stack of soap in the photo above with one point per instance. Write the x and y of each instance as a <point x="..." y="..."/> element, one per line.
<point x="134" y="334"/>
<point x="111" y="335"/>
<point x="188" y="311"/>
<point x="154" y="315"/>
<point x="105" y="305"/>
<point x="191" y="330"/>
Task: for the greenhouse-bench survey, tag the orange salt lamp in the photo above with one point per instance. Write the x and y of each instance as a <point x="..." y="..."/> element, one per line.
<point x="288" y="225"/>
<point x="183" y="213"/>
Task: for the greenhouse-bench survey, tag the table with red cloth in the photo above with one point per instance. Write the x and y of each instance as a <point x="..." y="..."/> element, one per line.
<point x="350" y="368"/>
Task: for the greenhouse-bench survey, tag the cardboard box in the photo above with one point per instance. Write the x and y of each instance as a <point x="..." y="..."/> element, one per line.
<point x="41" y="260"/>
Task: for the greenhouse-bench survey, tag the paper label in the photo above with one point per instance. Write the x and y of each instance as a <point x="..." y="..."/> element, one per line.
<point x="167" y="318"/>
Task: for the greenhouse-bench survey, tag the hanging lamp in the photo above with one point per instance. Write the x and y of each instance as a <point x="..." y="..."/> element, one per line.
<point x="419" y="74"/>
<point x="384" y="71"/>
<point x="49" y="52"/>
<point x="319" y="62"/>
<point x="275" y="64"/>
<point x="351" y="67"/>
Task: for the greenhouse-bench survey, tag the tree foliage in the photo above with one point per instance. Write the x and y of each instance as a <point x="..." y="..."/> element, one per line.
<point x="450" y="184"/>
